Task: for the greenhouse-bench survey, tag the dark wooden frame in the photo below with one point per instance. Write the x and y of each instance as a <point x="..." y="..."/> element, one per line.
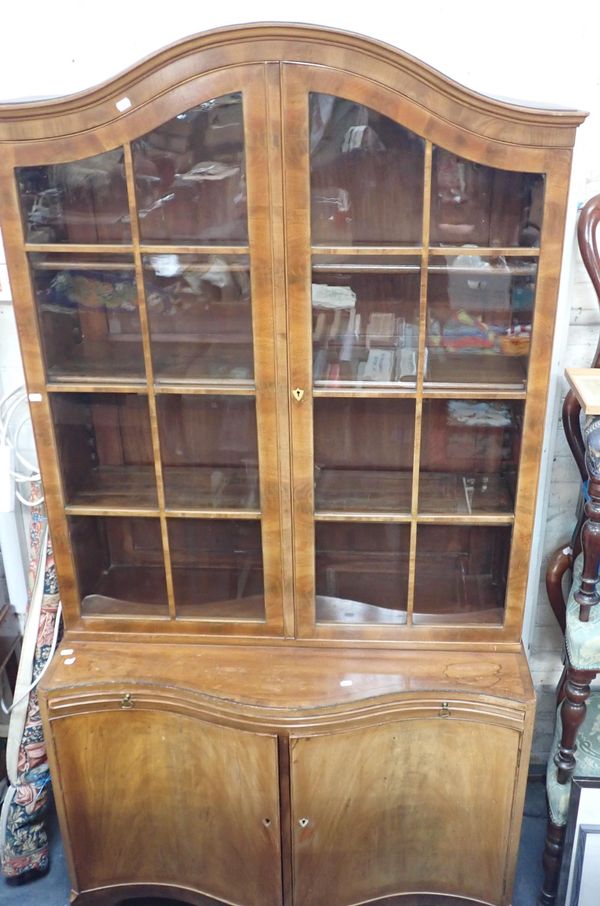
<point x="570" y="850"/>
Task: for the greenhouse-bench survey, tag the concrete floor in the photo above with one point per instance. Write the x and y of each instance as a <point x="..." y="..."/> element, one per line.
<point x="53" y="889"/>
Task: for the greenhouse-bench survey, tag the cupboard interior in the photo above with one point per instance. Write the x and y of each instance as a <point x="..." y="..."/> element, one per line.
<point x="88" y="316"/>
<point x="470" y="451"/>
<point x="363" y="454"/>
<point x="362" y="573"/>
<point x="479" y="320"/>
<point x="105" y="451"/>
<point x="190" y="176"/>
<point x="369" y="314"/>
<point x="217" y="568"/>
<point x="353" y="152"/>
<point x="365" y="320"/>
<point x="473" y="204"/>
<point x="119" y="565"/>
<point x="200" y="317"/>
<point x="209" y="451"/>
<point x="83" y="201"/>
<point x="461" y="572"/>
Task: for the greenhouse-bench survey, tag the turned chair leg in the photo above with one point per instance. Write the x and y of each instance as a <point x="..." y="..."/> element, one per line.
<point x="553" y="852"/>
<point x="572" y="712"/>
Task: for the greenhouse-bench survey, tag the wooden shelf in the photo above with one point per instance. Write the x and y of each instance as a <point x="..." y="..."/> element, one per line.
<point x="483" y="251"/>
<point x="347" y="267"/>
<point x="364" y="267"/>
<point x="369" y="494"/>
<point x="189" y="387"/>
<point x="192" y="587"/>
<point x="484" y="371"/>
<point x="372" y="389"/>
<point x="211" y="488"/>
<point x="101" y="361"/>
<point x="585" y="384"/>
<point x="476" y="601"/>
<point x="511" y="270"/>
<point x="346" y="491"/>
<point x="118" y="488"/>
<point x="218" y="491"/>
<point x="365" y="249"/>
<point x="196" y="360"/>
<point x="72" y="248"/>
<point x="339" y="610"/>
<point x="128" y="591"/>
<point x="75" y="264"/>
<point x="448" y="493"/>
<point x="79" y="248"/>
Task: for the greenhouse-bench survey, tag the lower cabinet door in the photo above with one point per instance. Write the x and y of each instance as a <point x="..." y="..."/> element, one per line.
<point x="160" y="798"/>
<point x="415" y="805"/>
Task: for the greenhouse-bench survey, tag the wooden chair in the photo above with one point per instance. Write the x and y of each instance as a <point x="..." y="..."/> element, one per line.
<point x="578" y="714"/>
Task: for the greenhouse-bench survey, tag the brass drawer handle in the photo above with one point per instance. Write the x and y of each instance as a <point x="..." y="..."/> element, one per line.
<point x="126" y="702"/>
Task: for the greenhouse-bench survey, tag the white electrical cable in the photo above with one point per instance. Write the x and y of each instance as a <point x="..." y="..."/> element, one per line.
<point x="36" y="476"/>
<point x="9" y="405"/>
<point x="8" y="415"/>
<point x="29" y="503"/>
<point x="8" y="395"/>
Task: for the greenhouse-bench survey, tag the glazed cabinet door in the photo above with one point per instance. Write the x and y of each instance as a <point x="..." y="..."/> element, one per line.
<point x="146" y="281"/>
<point x="416" y="267"/>
<point x="422" y="805"/>
<point x="160" y="798"/>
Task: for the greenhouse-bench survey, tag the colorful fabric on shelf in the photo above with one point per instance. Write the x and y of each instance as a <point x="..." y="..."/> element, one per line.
<point x="23" y="838"/>
<point x="463" y="332"/>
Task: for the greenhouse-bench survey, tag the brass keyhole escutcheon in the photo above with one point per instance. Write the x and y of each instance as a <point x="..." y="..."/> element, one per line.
<point x="126" y="701"/>
<point x="298" y="393"/>
<point x="303" y="822"/>
<point x="444" y="710"/>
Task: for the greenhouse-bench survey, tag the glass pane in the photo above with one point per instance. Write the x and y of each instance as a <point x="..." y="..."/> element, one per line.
<point x="119" y="563"/>
<point x="217" y="568"/>
<point x="105" y="449"/>
<point x="480" y="316"/>
<point x="200" y="317"/>
<point x="363" y="454"/>
<point x="470" y="455"/>
<point x="461" y="573"/>
<point x="483" y="206"/>
<point x="365" y="317"/>
<point x="190" y="176"/>
<point x="209" y="451"/>
<point x="82" y="201"/>
<point x="88" y="316"/>
<point x="366" y="174"/>
<point x="361" y="572"/>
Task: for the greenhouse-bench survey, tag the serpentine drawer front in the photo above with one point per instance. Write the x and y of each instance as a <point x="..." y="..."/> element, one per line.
<point x="331" y="791"/>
